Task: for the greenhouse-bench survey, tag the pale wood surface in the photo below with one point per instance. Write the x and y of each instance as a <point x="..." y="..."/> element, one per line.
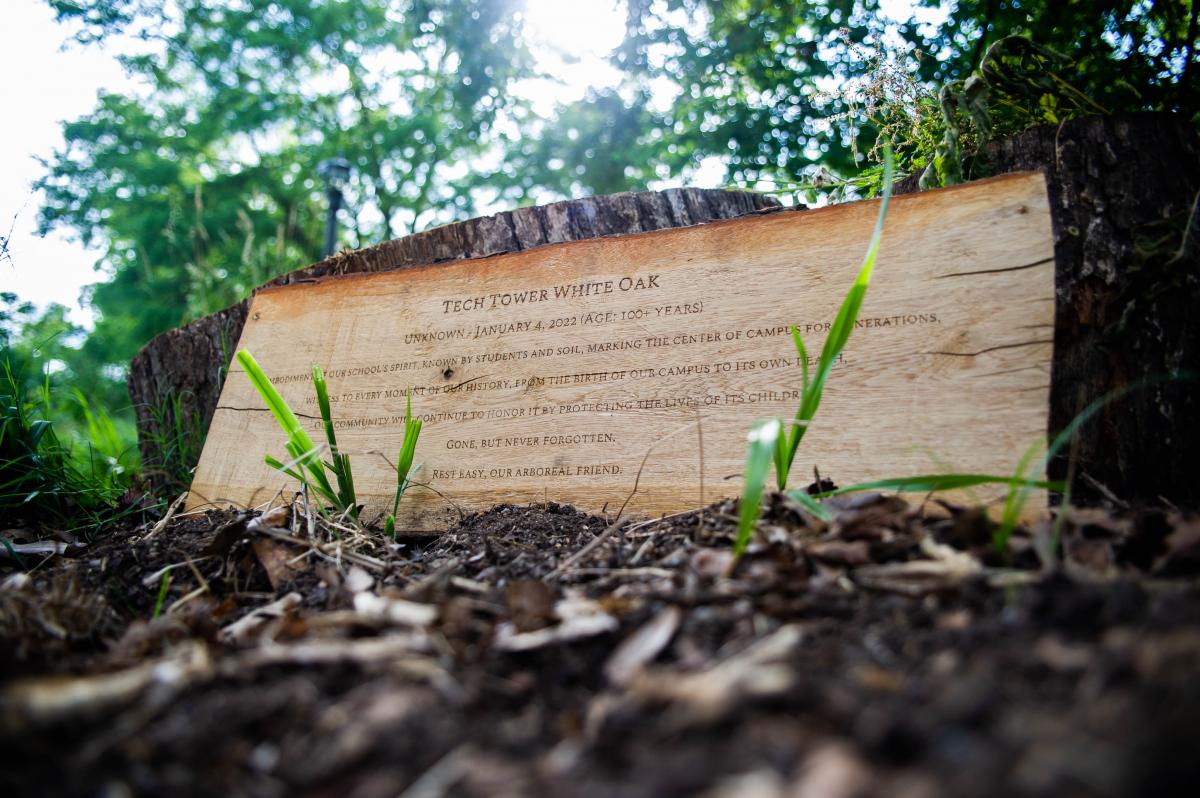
<point x="950" y="370"/>
<point x="177" y="378"/>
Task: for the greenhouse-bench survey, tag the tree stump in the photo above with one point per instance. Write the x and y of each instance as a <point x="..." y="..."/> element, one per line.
<point x="1123" y="198"/>
<point x="176" y="380"/>
<point x="1123" y="195"/>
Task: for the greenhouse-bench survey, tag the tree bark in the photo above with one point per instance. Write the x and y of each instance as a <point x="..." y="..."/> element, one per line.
<point x="176" y="380"/>
<point x="1123" y="193"/>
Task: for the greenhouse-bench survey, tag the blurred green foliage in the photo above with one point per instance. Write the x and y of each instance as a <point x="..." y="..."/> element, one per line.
<point x="74" y="482"/>
<point x="758" y="79"/>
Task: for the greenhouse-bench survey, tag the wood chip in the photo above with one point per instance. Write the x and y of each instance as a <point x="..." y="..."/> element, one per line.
<point x="579" y="619"/>
<point x="398" y="612"/>
<point x="642" y="646"/>
<point x="56" y="700"/>
<point x="706" y="696"/>
<point x="248" y="627"/>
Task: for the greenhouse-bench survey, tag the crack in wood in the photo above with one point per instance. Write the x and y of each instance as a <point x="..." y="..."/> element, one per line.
<point x="454" y="388"/>
<point x="1041" y="262"/>
<point x="265" y="410"/>
<point x="992" y="348"/>
<point x="1009" y="371"/>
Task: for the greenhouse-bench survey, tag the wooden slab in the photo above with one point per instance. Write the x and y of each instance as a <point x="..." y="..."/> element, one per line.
<point x="549" y="374"/>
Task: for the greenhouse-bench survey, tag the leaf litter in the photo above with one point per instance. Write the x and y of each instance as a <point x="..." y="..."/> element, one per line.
<point x="540" y="650"/>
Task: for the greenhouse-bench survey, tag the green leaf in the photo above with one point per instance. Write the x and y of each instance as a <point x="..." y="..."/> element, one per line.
<point x="340" y="464"/>
<point x="935" y="483"/>
<point x="759" y="455"/>
<point x="299" y="445"/>
<point x="408" y="448"/>
<point x="811" y="504"/>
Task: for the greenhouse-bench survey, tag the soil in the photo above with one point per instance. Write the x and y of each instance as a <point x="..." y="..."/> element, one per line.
<point x="539" y="650"/>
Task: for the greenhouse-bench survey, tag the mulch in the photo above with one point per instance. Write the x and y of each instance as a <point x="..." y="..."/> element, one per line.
<point x="540" y="650"/>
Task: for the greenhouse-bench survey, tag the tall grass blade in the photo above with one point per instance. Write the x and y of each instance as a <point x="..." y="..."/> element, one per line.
<point x="839" y="334"/>
<point x="300" y="446"/>
<point x="811" y="504"/>
<point x="164" y="585"/>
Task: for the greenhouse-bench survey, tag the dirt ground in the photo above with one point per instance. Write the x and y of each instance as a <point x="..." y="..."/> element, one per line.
<point x="543" y="651"/>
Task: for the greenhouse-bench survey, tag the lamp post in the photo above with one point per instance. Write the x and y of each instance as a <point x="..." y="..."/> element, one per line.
<point x="336" y="172"/>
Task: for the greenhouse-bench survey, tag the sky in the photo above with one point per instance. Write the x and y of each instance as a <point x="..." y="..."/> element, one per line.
<point x="44" y="85"/>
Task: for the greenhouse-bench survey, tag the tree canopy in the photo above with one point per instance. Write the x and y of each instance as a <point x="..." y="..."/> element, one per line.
<point x="205" y="185"/>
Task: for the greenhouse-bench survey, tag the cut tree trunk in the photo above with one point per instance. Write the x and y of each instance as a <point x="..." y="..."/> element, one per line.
<point x="1123" y="193"/>
<point x="176" y="380"/>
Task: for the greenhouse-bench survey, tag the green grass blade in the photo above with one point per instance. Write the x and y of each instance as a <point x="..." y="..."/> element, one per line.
<point x="164" y="585"/>
<point x="299" y="445"/>
<point x="802" y="353"/>
<point x="811" y="504"/>
<point x="281" y="467"/>
<point x="7" y="544"/>
<point x="340" y="464"/>
<point x="843" y="325"/>
<point x="760" y="454"/>
<point x="404" y="463"/>
<point x="782" y="442"/>
<point x="935" y="483"/>
<point x="1019" y="494"/>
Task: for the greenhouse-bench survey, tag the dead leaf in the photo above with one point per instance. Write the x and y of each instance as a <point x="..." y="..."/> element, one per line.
<point x="835" y="770"/>
<point x="1094" y="554"/>
<point x="704" y="697"/>
<point x="531" y="604"/>
<point x="278" y="560"/>
<point x="358" y="580"/>
<point x="57" y="700"/>
<point x="763" y="783"/>
<point x="275" y="518"/>
<point x="837" y="552"/>
<point x="1182" y="557"/>
<point x="712" y="563"/>
<point x="227" y="534"/>
<point x="1059" y="655"/>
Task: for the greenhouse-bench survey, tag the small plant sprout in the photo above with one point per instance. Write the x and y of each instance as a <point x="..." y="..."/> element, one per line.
<point x="164" y="585"/>
<point x="769" y="441"/>
<point x="763" y="443"/>
<point x="404" y="466"/>
<point x="306" y="466"/>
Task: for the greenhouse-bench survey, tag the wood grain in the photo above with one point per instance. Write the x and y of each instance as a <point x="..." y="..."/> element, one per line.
<point x="550" y="374"/>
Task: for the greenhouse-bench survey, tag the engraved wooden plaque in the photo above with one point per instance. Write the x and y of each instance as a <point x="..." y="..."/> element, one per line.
<point x="549" y="374"/>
